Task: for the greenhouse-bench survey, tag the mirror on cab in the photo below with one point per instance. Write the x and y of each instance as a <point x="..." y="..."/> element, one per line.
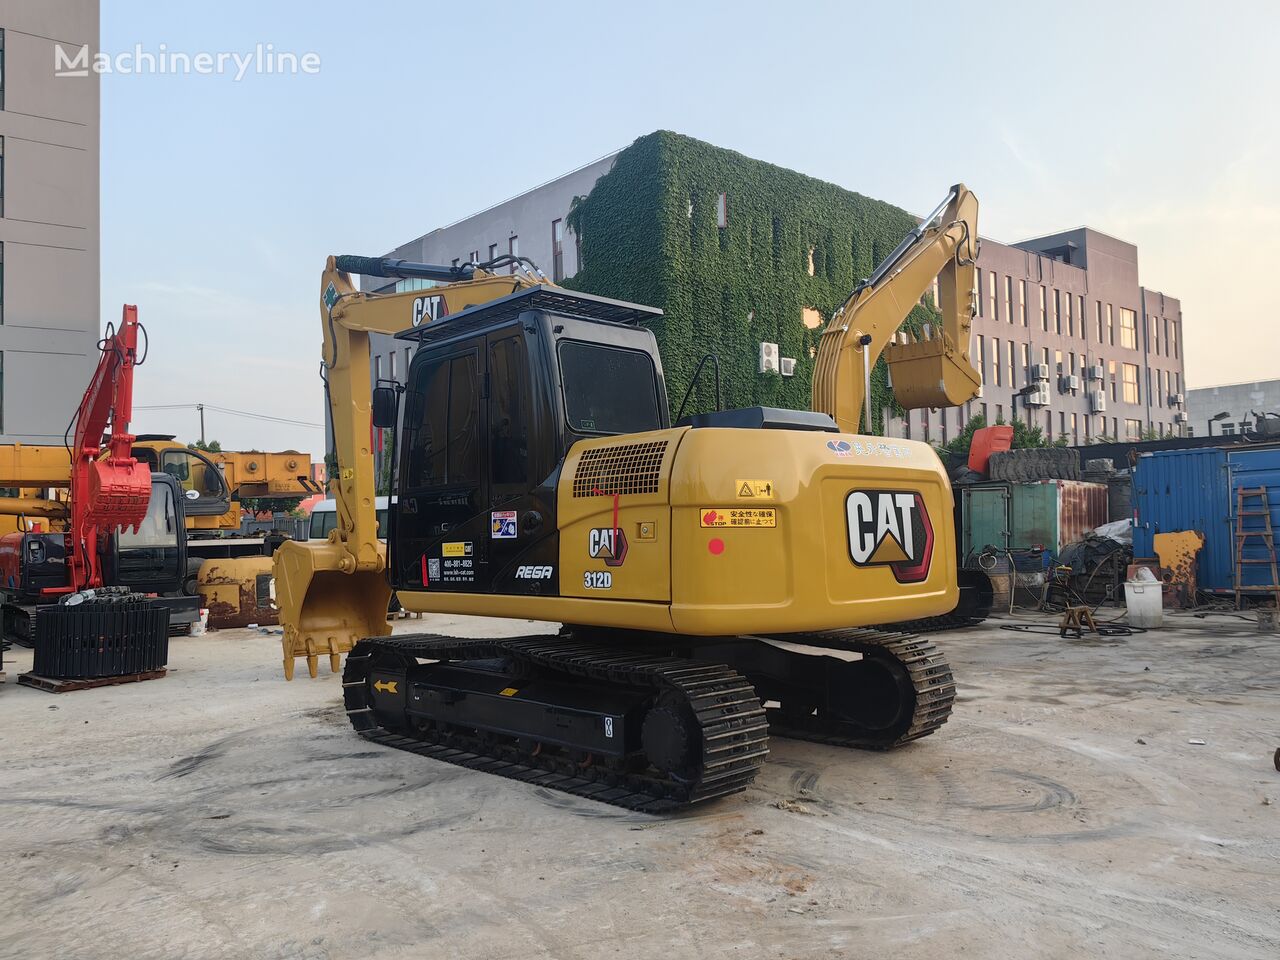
<point x="384" y="406"/>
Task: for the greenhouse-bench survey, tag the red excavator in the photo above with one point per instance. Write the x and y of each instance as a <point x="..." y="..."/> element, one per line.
<point x="90" y="596"/>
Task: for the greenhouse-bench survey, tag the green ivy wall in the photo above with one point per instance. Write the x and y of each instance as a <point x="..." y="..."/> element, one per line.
<point x="726" y="290"/>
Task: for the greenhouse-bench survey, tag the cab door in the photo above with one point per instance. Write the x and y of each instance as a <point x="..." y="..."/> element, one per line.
<point x="522" y="543"/>
<point x="440" y="521"/>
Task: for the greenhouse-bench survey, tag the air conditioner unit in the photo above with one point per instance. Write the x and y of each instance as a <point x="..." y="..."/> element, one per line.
<point x="788" y="366"/>
<point x="1069" y="382"/>
<point x="1177" y="399"/>
<point x="1040" y="371"/>
<point x="1181" y="417"/>
<point x="1097" y="401"/>
<point x="1094" y="372"/>
<point x="769" y="358"/>
<point x="1038" y="397"/>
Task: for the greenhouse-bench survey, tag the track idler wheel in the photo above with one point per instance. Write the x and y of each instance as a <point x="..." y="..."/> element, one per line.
<point x="671" y="739"/>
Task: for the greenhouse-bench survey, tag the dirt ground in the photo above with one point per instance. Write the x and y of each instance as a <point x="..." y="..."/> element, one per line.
<point x="1063" y="812"/>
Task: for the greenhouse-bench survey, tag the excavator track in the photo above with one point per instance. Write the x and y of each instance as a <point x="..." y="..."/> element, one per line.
<point x="922" y="690"/>
<point x="709" y="728"/>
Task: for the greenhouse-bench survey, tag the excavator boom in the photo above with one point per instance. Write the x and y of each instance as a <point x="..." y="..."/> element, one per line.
<point x="931" y="371"/>
<point x="334" y="593"/>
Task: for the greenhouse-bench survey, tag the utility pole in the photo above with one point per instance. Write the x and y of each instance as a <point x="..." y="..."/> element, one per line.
<point x="200" y="407"/>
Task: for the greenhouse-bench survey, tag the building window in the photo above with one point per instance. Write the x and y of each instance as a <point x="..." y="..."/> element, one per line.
<point x="1111" y="330"/>
<point x="1" y="80"/>
<point x="1111" y="369"/>
<point x="977" y="279"/>
<point x="1133" y="429"/>
<point x="1" y="374"/>
<point x="722" y="211"/>
<point x="408" y="357"/>
<point x="454" y="263"/>
<point x="1071" y="364"/>
<point x="1075" y="429"/>
<point x="1057" y="359"/>
<point x="982" y="359"/>
<point x="1128" y="328"/>
<point x="513" y="248"/>
<point x="995" y="361"/>
<point x="1" y="176"/>
<point x="391" y="364"/>
<point x="1062" y="423"/>
<point x="1080" y="314"/>
<point x="1057" y="310"/>
<point x="1026" y="363"/>
<point x="1071" y="323"/>
<point x="1160" y="383"/>
<point x="1132" y="393"/>
<point x="984" y="415"/>
<point x="999" y="413"/>
<point x="493" y="251"/>
<point x="475" y="256"/>
<point x="1044" y="316"/>
<point x="1044" y="355"/>
<point x="1098" y="304"/>
<point x="557" y="250"/>
<point x="1022" y="300"/>
<point x="1" y="287"/>
<point x="991" y="295"/>
<point x="1009" y="344"/>
<point x="1008" y="299"/>
<point x="1048" y="425"/>
<point x="377" y="370"/>
<point x="1153" y="324"/>
<point x="1173" y="339"/>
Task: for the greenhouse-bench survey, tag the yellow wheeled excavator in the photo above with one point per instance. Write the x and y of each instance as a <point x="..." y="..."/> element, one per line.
<point x="717" y="578"/>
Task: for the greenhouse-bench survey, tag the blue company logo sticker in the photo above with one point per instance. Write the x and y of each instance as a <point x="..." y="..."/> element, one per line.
<point x="841" y="448"/>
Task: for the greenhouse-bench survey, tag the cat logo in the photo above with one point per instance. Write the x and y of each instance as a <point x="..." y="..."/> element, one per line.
<point x="890" y="528"/>
<point x="608" y="544"/>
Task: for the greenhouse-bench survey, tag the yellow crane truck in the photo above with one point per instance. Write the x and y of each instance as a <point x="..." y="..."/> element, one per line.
<point x="717" y="578"/>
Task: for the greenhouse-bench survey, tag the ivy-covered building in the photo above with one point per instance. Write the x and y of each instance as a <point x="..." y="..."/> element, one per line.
<point x="739" y="253"/>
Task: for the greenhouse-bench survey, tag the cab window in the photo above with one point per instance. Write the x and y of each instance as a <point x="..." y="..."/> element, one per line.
<point x="608" y="390"/>
<point x="442" y="430"/>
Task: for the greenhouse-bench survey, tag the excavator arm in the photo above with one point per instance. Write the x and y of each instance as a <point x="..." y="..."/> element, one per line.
<point x="930" y="371"/>
<point x="333" y="593"/>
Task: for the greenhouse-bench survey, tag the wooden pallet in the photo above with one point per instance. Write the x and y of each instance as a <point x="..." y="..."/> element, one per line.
<point x="52" y="685"/>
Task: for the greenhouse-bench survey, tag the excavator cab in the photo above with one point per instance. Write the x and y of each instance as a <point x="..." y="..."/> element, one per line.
<point x="203" y="487"/>
<point x="494" y="400"/>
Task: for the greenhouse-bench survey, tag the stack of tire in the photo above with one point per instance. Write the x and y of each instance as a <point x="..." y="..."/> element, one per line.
<point x="1038" y="463"/>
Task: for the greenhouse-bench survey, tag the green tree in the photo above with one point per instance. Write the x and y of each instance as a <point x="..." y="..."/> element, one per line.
<point x="213" y="446"/>
<point x="270" y="504"/>
<point x="1023" y="435"/>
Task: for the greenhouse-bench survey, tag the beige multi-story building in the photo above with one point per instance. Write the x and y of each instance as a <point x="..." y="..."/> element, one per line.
<point x="49" y="274"/>
<point x="1069" y="341"/>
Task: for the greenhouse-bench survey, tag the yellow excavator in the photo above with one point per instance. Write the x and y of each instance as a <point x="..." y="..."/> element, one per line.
<point x="717" y="578"/>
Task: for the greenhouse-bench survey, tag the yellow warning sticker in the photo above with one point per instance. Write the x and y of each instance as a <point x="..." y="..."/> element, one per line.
<point x="738" y="517"/>
<point x="754" y="489"/>
<point x="462" y="549"/>
<point x="508" y="692"/>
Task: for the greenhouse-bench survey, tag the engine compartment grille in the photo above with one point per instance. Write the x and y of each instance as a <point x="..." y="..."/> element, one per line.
<point x="620" y="469"/>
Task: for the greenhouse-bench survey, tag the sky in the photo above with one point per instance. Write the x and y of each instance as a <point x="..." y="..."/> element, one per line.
<point x="221" y="198"/>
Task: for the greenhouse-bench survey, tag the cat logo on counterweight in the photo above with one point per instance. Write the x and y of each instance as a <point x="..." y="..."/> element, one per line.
<point x="890" y="528"/>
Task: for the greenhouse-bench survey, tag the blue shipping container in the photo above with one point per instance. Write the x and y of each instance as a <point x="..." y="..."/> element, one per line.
<point x="1195" y="489"/>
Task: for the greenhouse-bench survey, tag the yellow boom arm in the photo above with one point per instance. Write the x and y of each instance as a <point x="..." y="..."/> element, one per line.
<point x="334" y="593"/>
<point x="933" y="371"/>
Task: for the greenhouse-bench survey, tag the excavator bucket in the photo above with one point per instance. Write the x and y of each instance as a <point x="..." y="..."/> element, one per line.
<point x="324" y="609"/>
<point x="930" y="373"/>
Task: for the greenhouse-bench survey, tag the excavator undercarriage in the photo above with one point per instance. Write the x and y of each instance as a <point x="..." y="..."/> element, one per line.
<point x="634" y="721"/>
